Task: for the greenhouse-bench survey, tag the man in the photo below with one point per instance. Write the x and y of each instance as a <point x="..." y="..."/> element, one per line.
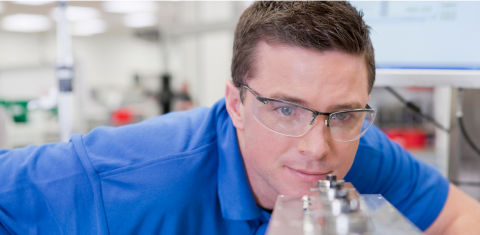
<point x="295" y="111"/>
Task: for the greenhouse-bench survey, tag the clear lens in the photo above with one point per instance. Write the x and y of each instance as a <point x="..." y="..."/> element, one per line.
<point x="350" y="125"/>
<point x="290" y="120"/>
<point x="283" y="118"/>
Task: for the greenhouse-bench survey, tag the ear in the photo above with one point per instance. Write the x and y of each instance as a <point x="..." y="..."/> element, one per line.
<point x="234" y="104"/>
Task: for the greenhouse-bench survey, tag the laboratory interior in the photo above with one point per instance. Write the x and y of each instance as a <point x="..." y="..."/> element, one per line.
<point x="69" y="67"/>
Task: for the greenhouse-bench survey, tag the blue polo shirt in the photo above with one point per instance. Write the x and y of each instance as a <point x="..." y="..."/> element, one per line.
<point x="180" y="173"/>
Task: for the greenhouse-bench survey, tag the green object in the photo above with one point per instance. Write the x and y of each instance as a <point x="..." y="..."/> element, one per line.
<point x="16" y="109"/>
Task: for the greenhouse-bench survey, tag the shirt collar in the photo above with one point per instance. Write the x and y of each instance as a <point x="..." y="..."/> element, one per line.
<point x="236" y="197"/>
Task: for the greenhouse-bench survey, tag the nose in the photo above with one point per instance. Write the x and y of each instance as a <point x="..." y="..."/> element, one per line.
<point x="315" y="143"/>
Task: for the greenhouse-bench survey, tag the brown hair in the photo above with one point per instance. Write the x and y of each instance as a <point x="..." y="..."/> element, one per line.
<point x="321" y="26"/>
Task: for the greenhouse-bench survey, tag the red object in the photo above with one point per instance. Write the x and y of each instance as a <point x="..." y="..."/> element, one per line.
<point x="122" y="117"/>
<point x="408" y="138"/>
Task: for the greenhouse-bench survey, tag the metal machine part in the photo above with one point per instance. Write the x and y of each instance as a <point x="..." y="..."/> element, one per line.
<point x="332" y="209"/>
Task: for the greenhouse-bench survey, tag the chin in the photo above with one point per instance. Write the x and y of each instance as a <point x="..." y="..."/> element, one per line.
<point x="297" y="189"/>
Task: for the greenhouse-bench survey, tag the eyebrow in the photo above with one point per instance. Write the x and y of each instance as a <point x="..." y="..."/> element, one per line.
<point x="346" y="106"/>
<point x="290" y="99"/>
<point x="330" y="109"/>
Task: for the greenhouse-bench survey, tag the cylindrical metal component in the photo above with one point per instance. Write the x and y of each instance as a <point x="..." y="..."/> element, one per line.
<point x="332" y="177"/>
<point x="324" y="184"/>
<point x="341" y="193"/>
<point x="331" y="184"/>
<point x="340" y="184"/>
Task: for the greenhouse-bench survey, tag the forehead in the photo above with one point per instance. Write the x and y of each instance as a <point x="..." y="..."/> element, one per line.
<point x="321" y="79"/>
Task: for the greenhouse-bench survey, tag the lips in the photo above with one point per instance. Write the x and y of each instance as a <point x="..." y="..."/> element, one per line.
<point x="308" y="175"/>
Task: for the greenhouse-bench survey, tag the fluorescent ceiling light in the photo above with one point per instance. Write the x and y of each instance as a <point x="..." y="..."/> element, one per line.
<point x="33" y="3"/>
<point x="129" y="7"/>
<point x="74" y="13"/>
<point x="139" y="20"/>
<point x="89" y="27"/>
<point x="26" y="23"/>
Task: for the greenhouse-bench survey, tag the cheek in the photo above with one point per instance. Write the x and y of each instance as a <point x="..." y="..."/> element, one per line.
<point x="264" y="148"/>
<point x="344" y="152"/>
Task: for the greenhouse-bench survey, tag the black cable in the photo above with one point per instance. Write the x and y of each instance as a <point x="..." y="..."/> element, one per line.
<point x="462" y="126"/>
<point x="465" y="135"/>
<point x="416" y="109"/>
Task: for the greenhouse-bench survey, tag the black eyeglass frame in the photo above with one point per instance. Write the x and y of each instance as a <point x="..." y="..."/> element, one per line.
<point x="315" y="113"/>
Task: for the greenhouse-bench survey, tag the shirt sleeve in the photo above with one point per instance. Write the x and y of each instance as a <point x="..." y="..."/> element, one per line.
<point x="49" y="189"/>
<point x="415" y="188"/>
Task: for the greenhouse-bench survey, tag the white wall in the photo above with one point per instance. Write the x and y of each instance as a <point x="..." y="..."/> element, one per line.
<point x="203" y="57"/>
<point x="26" y="83"/>
<point x="216" y="59"/>
<point x="26" y="65"/>
<point x="26" y="50"/>
<point x="109" y="61"/>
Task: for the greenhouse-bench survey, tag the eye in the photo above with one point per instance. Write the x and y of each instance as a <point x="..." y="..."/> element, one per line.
<point x="286" y="111"/>
<point x="341" y="116"/>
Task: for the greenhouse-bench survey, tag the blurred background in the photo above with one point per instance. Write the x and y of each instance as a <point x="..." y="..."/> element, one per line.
<point x="129" y="61"/>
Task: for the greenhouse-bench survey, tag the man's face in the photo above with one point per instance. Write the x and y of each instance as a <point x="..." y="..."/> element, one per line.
<point x="278" y="164"/>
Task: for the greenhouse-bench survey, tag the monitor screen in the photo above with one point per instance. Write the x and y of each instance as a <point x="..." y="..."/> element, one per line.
<point x="424" y="35"/>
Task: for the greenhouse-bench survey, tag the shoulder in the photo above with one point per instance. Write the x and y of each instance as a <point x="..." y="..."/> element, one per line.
<point x="157" y="138"/>
<point x="381" y="166"/>
<point x="16" y="164"/>
<point x="165" y="167"/>
<point x="379" y="160"/>
<point x="46" y="188"/>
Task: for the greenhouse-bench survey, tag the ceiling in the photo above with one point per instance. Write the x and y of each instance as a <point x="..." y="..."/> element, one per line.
<point x="113" y="20"/>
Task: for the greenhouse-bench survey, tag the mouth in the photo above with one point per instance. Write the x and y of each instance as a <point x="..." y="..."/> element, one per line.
<point x="308" y="176"/>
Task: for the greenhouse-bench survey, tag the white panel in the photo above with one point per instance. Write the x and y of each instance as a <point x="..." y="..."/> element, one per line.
<point x="442" y="110"/>
<point x="428" y="78"/>
<point x="424" y="34"/>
